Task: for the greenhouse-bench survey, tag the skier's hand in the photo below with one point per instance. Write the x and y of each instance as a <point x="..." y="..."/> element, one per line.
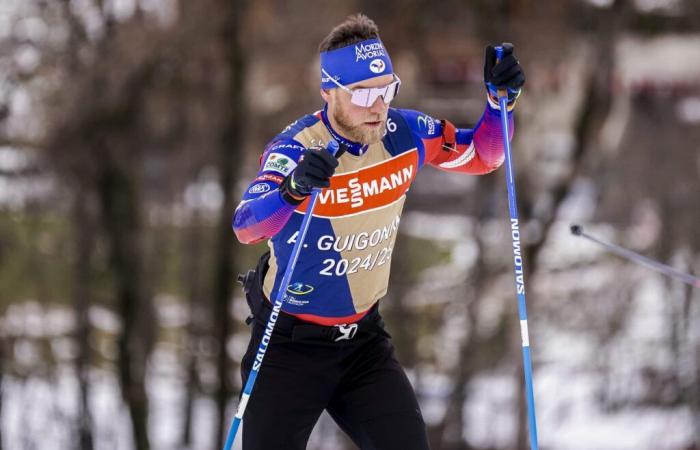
<point x="504" y="74"/>
<point x="314" y="170"/>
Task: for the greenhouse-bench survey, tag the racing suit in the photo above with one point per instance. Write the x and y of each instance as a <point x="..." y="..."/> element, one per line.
<point x="329" y="350"/>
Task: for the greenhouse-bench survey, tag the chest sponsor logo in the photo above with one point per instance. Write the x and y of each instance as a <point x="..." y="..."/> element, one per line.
<point x="368" y="188"/>
<point x="279" y="162"/>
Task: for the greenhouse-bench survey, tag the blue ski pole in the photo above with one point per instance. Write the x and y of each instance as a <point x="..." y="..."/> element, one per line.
<point x="518" y="262"/>
<point x="281" y="296"/>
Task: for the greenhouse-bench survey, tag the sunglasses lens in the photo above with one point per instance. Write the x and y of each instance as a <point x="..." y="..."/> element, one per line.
<point x="391" y="92"/>
<point x="361" y="97"/>
<point x="366" y="97"/>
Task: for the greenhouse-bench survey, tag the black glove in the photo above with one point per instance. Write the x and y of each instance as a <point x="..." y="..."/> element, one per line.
<point x="314" y="170"/>
<point x="506" y="74"/>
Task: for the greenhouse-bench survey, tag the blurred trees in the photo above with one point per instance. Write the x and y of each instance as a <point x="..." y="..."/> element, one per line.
<point x="128" y="129"/>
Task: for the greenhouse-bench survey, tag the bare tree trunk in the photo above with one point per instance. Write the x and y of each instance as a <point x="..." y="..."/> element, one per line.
<point x="121" y="204"/>
<point x="229" y="155"/>
<point x="193" y="258"/>
<point x="477" y="352"/>
<point x="84" y="240"/>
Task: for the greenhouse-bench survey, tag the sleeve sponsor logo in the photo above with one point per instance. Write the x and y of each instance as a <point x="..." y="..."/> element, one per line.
<point x="377" y="66"/>
<point x="259" y="188"/>
<point x="279" y="162"/>
<point x="270" y="177"/>
<point x="281" y="146"/>
<point x="426" y="122"/>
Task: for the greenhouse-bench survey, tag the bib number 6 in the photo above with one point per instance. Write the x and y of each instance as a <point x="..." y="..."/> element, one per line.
<point x="390" y="126"/>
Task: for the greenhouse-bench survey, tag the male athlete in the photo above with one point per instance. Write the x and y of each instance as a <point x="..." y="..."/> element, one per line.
<point x="329" y="349"/>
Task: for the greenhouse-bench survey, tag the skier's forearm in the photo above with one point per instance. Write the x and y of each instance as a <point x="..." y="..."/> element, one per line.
<point x="261" y="218"/>
<point x="488" y="140"/>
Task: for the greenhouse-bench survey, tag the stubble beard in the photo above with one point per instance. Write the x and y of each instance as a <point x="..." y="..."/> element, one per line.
<point x="360" y="133"/>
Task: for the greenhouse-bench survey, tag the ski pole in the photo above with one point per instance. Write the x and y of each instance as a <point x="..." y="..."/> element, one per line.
<point x="518" y="263"/>
<point x="272" y="320"/>
<point x="577" y="230"/>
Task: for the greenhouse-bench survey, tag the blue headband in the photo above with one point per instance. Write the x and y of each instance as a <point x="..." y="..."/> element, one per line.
<point x="356" y="62"/>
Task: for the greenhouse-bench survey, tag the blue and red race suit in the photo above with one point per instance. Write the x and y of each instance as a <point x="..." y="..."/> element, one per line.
<point x="343" y="268"/>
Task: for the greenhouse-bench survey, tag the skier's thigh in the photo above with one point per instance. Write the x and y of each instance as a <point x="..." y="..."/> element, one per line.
<point x="376" y="405"/>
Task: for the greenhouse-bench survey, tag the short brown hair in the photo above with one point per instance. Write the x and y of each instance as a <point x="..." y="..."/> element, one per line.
<point x="356" y="28"/>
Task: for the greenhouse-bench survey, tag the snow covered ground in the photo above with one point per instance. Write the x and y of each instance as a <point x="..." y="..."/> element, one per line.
<point x="39" y="409"/>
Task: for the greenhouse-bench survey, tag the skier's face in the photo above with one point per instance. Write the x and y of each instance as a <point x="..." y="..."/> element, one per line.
<point x="365" y="125"/>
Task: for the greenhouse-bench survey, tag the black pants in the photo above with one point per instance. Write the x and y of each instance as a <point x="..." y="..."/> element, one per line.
<point x="358" y="381"/>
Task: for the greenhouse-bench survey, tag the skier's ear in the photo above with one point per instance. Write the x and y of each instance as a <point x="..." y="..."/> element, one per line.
<point x="326" y="95"/>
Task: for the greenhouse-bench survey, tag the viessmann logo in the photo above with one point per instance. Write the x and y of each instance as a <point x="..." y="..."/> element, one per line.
<point x="368" y="188"/>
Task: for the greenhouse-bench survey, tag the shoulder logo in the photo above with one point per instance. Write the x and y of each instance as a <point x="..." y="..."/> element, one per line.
<point x="377" y="66"/>
<point x="289" y="127"/>
<point x="279" y="162"/>
<point x="427" y="122"/>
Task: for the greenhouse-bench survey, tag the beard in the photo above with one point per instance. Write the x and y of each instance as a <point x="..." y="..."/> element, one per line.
<point x="360" y="132"/>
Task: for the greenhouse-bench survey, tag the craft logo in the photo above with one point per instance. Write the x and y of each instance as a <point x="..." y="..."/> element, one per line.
<point x="300" y="288"/>
<point x="428" y="123"/>
<point x="296" y="146"/>
<point x="363" y="52"/>
<point x="377" y="66"/>
<point x="259" y="188"/>
<point x="279" y="163"/>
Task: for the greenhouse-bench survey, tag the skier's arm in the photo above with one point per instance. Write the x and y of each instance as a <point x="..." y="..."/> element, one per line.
<point x="479" y="150"/>
<point x="474" y="151"/>
<point x="289" y="173"/>
<point x="263" y="211"/>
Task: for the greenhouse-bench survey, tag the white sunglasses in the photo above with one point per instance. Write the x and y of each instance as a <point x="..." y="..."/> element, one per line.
<point x="366" y="97"/>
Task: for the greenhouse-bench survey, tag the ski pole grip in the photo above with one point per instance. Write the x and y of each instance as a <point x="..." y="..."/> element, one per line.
<point x="499" y="53"/>
<point x="499" y="56"/>
<point x="335" y="149"/>
<point x="333" y="146"/>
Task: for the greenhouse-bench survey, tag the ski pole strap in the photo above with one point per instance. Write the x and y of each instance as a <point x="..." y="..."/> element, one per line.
<point x="449" y="135"/>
